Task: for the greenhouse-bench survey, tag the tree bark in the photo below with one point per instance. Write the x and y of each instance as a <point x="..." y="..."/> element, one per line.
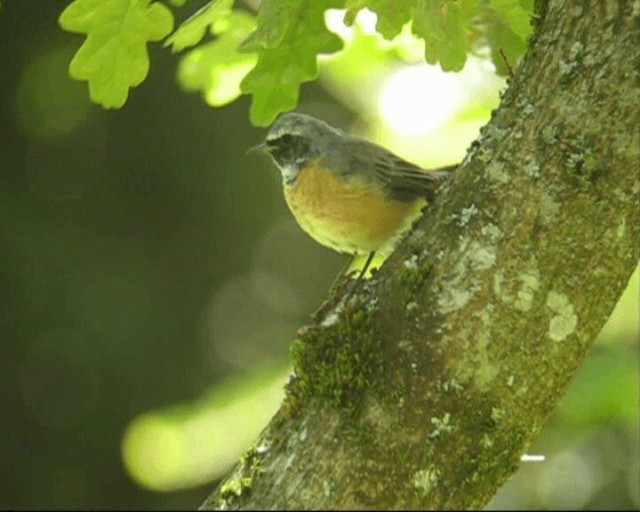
<point x="425" y="386"/>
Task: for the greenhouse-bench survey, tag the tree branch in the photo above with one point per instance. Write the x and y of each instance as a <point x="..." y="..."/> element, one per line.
<point x="426" y="387"/>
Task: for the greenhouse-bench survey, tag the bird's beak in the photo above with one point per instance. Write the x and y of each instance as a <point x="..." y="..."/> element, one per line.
<point x="259" y="148"/>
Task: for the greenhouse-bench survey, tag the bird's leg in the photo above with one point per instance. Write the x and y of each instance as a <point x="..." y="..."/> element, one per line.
<point x="361" y="275"/>
<point x="366" y="264"/>
<point x="334" y="296"/>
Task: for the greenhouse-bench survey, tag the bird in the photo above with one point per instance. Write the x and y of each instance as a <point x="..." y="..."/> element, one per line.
<point x="349" y="194"/>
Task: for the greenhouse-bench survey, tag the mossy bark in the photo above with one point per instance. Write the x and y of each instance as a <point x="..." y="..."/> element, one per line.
<point x="423" y="389"/>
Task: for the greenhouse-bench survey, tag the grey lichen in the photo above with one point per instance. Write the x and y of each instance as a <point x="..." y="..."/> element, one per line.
<point x="328" y="487"/>
<point x="519" y="291"/>
<point x="497" y="173"/>
<point x="466" y="214"/>
<point x="442" y="425"/>
<point x="570" y="66"/>
<point x="486" y="441"/>
<point x="454" y="299"/>
<point x="485" y="155"/>
<point x="550" y="135"/>
<point x="451" y="385"/>
<point x="528" y="109"/>
<point x="532" y="169"/>
<point x="497" y="414"/>
<point x="424" y="480"/>
<point x="564" y="320"/>
<point x="530" y="282"/>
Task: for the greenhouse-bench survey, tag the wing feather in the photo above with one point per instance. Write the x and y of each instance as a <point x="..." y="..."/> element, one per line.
<point x="401" y="179"/>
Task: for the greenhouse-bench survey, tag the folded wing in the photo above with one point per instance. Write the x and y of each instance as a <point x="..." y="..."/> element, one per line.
<point x="402" y="180"/>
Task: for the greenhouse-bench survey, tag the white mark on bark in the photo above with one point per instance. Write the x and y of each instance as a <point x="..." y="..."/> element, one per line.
<point x="525" y="295"/>
<point x="564" y="322"/>
<point x="497" y="174"/>
<point x="476" y="256"/>
<point x="466" y="214"/>
<point x="411" y="263"/>
<point x="486" y="441"/>
<point x="497" y="414"/>
<point x="424" y="480"/>
<point x="442" y="425"/>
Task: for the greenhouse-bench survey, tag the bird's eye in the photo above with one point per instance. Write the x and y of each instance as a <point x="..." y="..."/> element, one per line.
<point x="282" y="141"/>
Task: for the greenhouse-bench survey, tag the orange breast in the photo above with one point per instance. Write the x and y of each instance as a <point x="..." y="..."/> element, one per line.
<point x="352" y="216"/>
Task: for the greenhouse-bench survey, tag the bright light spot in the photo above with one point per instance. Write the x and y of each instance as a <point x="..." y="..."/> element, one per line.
<point x="153" y="451"/>
<point x="225" y="83"/>
<point x="365" y="20"/>
<point x="188" y="445"/>
<point x="429" y="116"/>
<point x="418" y="99"/>
<point x="532" y="458"/>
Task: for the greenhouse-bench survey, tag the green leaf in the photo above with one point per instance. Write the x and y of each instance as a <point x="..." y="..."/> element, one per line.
<point x="392" y="14"/>
<point x="193" y="29"/>
<point x="274" y="21"/>
<point x="506" y="30"/>
<point x="444" y="24"/>
<point x="290" y="35"/>
<point x="515" y="15"/>
<point x="504" y="44"/>
<point x="114" y="56"/>
<point x="217" y="68"/>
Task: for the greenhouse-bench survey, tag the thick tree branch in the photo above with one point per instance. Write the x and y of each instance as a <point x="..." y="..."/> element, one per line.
<point x="426" y="387"/>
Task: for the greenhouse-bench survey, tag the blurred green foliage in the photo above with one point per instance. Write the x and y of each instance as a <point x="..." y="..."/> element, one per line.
<point x="215" y="68"/>
<point x="282" y="44"/>
<point x="289" y="37"/>
<point x="391" y="15"/>
<point x="212" y="16"/>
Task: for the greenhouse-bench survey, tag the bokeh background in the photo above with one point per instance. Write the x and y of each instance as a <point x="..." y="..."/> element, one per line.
<point x="151" y="277"/>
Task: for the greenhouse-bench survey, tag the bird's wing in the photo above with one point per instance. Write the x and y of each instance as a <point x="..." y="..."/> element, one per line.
<point x="403" y="180"/>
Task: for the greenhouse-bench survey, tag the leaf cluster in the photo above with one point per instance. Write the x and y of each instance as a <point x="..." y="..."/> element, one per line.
<point x="229" y="51"/>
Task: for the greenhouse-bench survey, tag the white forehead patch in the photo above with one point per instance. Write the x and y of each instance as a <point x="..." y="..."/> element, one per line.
<point x="288" y="124"/>
<point x="298" y="125"/>
<point x="286" y="128"/>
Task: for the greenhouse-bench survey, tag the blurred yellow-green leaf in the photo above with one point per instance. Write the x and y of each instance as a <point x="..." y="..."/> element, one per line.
<point x="392" y="14"/>
<point x="186" y="445"/>
<point x="193" y="29"/>
<point x="216" y="68"/>
<point x="605" y="388"/>
<point x="516" y="15"/>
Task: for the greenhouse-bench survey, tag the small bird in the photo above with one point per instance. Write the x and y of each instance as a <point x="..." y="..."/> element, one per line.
<point x="347" y="193"/>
